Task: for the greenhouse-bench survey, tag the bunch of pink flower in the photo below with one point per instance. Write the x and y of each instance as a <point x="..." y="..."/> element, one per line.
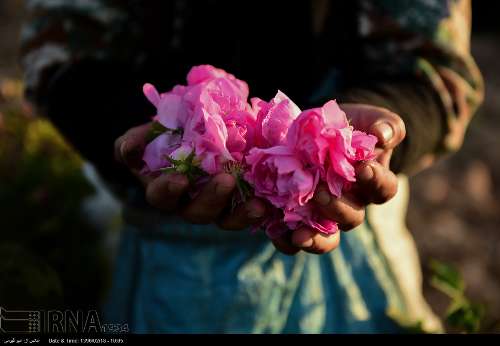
<point x="208" y="127"/>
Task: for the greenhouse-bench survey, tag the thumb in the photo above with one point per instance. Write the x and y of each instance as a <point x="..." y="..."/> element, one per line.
<point x="387" y="126"/>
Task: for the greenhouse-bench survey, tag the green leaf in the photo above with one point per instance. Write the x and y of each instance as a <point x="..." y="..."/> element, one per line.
<point x="461" y="313"/>
<point x="188" y="166"/>
<point x="444" y="274"/>
<point x="190" y="157"/>
<point x="169" y="170"/>
<point x="173" y="161"/>
<point x="244" y="188"/>
<point x="157" y="129"/>
<point x="466" y="316"/>
<point x="237" y="169"/>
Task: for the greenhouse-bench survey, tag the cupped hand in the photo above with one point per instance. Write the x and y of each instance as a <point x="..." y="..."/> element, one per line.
<point x="166" y="191"/>
<point x="375" y="182"/>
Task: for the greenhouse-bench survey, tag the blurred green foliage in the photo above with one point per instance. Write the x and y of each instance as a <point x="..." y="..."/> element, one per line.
<point x="462" y="314"/>
<point x="49" y="256"/>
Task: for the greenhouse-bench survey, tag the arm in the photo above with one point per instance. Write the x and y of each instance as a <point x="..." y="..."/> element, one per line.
<point x="418" y="56"/>
<point x="407" y="64"/>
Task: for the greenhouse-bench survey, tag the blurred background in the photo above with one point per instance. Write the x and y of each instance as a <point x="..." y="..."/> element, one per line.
<point x="59" y="226"/>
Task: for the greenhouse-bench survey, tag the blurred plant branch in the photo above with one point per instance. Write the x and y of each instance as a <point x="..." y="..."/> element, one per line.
<point x="462" y="314"/>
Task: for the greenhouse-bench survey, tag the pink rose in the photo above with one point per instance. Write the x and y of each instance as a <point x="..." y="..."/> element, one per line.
<point x="321" y="137"/>
<point x="281" y="221"/>
<point x="156" y="152"/>
<point x="351" y="147"/>
<point x="170" y="111"/>
<point x="208" y="133"/>
<point x="311" y="133"/>
<point x="241" y="133"/>
<point x="274" y="225"/>
<point x="308" y="215"/>
<point x="339" y="168"/>
<point x="151" y="94"/>
<point x="204" y="73"/>
<point x="363" y="145"/>
<point x="346" y="146"/>
<point x="170" y="114"/>
<point x="278" y="176"/>
<point x="219" y="96"/>
<point x="283" y="152"/>
<point x="212" y="114"/>
<point x="222" y="89"/>
<point x="305" y="137"/>
<point x="274" y="118"/>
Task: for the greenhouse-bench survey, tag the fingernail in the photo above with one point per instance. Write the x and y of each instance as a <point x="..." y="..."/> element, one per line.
<point x="306" y="244"/>
<point x="386" y="131"/>
<point x="322" y="198"/>
<point x="225" y="184"/>
<point x="176" y="179"/>
<point x="122" y="150"/>
<point x="176" y="183"/>
<point x="366" y="173"/>
<point x="221" y="189"/>
<point x="255" y="213"/>
<point x="302" y="239"/>
<point x="132" y="158"/>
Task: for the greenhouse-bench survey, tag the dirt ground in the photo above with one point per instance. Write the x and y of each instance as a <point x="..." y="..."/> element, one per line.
<point x="455" y="208"/>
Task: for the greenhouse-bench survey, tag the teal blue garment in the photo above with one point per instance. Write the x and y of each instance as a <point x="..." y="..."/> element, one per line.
<point x="175" y="277"/>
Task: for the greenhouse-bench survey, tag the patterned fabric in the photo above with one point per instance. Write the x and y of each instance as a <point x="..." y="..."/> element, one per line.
<point x="177" y="277"/>
<point x="428" y="39"/>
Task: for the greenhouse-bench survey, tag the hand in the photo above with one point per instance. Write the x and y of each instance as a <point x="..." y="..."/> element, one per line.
<point x="375" y="182"/>
<point x="165" y="191"/>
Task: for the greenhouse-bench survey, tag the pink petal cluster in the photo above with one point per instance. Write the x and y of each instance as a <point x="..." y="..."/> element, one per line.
<point x="209" y="116"/>
<point x="284" y="152"/>
<point x="296" y="153"/>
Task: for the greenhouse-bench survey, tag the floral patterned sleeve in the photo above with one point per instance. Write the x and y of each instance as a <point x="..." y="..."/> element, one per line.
<point x="421" y="49"/>
<point x="58" y="33"/>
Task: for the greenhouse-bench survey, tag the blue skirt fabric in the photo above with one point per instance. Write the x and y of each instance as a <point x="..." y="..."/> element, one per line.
<point x="175" y="277"/>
